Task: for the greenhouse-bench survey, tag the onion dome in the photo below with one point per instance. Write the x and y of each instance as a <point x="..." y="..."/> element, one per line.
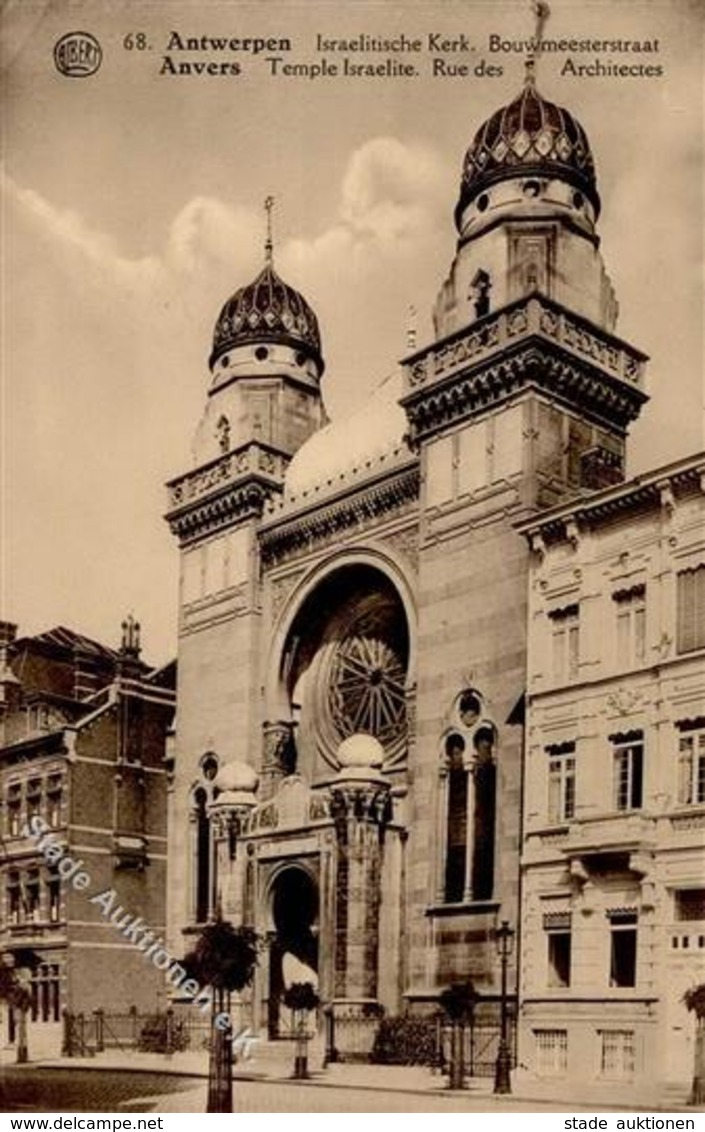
<point x="529" y="137"/>
<point x="267" y="311"/>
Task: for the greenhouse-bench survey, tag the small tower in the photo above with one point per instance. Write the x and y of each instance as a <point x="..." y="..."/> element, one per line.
<point x="263" y="402"/>
<point x="266" y="367"/>
<point x="526" y="355"/>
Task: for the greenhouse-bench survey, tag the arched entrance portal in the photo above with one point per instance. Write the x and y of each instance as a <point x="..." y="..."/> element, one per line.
<point x="293" y="956"/>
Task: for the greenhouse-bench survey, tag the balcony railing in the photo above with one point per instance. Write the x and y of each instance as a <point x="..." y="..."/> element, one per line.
<point x="251" y="459"/>
<point x="534" y="316"/>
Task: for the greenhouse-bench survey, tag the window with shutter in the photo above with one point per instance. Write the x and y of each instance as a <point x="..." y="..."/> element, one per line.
<point x="690" y="611"/>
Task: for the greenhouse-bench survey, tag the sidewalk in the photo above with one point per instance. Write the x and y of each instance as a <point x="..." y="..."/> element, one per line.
<point x="378" y="1078"/>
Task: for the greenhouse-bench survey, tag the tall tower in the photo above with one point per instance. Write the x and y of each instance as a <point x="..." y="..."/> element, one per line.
<point x="523" y="398"/>
<point x="263" y="402"/>
<point x="528" y="289"/>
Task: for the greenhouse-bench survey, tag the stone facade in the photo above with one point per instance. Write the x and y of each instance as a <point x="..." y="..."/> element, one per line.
<point x="369" y="579"/>
<point x="613" y="859"/>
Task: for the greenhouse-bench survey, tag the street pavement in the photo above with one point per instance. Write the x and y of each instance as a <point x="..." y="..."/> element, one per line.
<point x="34" y="1089"/>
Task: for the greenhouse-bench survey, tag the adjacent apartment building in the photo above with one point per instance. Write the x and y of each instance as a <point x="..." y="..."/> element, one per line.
<point x="613" y="854"/>
<point x="83" y="733"/>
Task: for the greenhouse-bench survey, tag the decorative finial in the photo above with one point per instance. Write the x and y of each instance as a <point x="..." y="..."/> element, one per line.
<point x="411" y="328"/>
<point x="269" y="244"/>
<point x="541" y="12"/>
<point x="130" y="637"/>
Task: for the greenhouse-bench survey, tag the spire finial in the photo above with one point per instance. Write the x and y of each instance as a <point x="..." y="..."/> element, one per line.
<point x="541" y="13"/>
<point x="269" y="243"/>
<point x="411" y="328"/>
<point x="130" y="637"/>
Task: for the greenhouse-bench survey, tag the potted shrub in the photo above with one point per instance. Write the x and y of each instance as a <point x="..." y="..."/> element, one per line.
<point x="458" y="1003"/>
<point x="301" y="999"/>
<point x="224" y="958"/>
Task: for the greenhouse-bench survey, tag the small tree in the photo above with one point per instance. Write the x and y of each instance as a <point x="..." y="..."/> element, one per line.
<point x="14" y="992"/>
<point x="301" y="998"/>
<point x="458" y="1002"/>
<point x="223" y="959"/>
<point x="694" y="1000"/>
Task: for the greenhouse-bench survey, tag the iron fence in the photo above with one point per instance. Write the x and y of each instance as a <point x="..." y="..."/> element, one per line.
<point x="169" y="1031"/>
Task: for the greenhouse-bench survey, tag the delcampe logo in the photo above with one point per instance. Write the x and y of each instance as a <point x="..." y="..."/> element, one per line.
<point x="78" y="55"/>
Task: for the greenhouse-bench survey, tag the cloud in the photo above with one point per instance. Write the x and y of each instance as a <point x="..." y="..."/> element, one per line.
<point x="390" y="189"/>
<point x="106" y="369"/>
<point x="68" y="228"/>
<point x="207" y="231"/>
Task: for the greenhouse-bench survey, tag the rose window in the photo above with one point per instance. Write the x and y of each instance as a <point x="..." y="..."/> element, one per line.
<point x="367" y="689"/>
<point x="348" y="671"/>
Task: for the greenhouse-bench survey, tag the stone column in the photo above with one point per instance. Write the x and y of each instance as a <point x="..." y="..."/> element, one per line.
<point x="278" y="757"/>
<point x="361" y="808"/>
<point x="228" y="814"/>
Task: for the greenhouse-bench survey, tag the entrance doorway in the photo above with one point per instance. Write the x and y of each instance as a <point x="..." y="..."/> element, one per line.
<point x="293" y="954"/>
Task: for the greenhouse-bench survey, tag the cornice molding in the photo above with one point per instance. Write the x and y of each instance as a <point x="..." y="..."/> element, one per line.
<point x="644" y="492"/>
<point x="532" y="363"/>
<point x="348" y="513"/>
<point x="233" y="487"/>
<point x="531" y="342"/>
<point x="233" y="504"/>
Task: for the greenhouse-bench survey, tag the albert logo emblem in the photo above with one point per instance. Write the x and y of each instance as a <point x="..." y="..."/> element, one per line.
<point x="78" y="55"/>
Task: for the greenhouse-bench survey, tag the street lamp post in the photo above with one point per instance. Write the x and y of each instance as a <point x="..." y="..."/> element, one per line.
<point x="504" y="936"/>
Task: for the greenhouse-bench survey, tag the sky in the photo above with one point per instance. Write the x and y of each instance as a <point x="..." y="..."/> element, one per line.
<point x="132" y="207"/>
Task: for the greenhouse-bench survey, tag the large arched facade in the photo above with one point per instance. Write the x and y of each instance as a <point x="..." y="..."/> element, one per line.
<point x="342" y="661"/>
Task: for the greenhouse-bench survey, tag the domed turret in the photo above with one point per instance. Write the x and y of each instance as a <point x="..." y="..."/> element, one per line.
<point x="526" y="217"/>
<point x="529" y="137"/>
<point x="266" y="312"/>
<point x="266" y="368"/>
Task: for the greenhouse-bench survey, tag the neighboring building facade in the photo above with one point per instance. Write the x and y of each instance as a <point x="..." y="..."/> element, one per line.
<point x="352" y="648"/>
<point x="83" y="732"/>
<point x="613" y="893"/>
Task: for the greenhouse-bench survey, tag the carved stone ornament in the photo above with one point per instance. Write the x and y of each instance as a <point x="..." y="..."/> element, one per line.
<point x="624" y="700"/>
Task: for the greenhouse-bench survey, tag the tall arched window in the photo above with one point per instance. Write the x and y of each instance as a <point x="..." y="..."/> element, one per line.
<point x="485" y="775"/>
<point x="457" y="820"/>
<point x="203" y="855"/>
<point x="203" y="884"/>
<point x="468" y="794"/>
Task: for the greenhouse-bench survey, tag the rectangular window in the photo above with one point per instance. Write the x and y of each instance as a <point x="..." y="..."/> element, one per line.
<point x="551" y="1052"/>
<point x="566" y="643"/>
<point x="691" y="768"/>
<point x="54" y="791"/>
<point x="628" y="771"/>
<point x="617" y="1053"/>
<point x="689" y="904"/>
<point x="690" y="609"/>
<point x="34" y="797"/>
<point x="54" y="897"/>
<point x="14" y="898"/>
<point x="559" y="948"/>
<point x="45" y="992"/>
<point x="631" y="626"/>
<point x="623" y="937"/>
<point x="14" y="809"/>
<point x="561" y="782"/>
<point x="31" y="897"/>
